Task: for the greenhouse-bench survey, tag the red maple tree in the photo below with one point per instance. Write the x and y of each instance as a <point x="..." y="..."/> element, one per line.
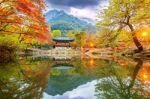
<point x="23" y="17"/>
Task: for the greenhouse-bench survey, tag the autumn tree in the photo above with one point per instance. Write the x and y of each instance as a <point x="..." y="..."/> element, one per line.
<point x="105" y="38"/>
<point x="23" y="17"/>
<point x="70" y="34"/>
<point x="23" y="20"/>
<point x="125" y="15"/>
<point x="80" y="38"/>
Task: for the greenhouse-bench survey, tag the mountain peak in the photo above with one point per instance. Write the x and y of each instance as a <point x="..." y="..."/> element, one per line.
<point x="58" y="19"/>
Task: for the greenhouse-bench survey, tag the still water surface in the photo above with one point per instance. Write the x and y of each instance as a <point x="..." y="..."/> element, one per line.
<point x="45" y="78"/>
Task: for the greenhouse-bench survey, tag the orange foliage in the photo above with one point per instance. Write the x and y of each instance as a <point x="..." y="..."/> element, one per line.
<point x="24" y="14"/>
<point x="42" y="37"/>
<point x="30" y="8"/>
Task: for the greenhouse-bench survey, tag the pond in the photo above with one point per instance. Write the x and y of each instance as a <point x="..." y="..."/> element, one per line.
<point x="76" y="78"/>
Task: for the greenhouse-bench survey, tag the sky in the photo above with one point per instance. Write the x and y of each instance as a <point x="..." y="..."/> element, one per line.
<point x="79" y="8"/>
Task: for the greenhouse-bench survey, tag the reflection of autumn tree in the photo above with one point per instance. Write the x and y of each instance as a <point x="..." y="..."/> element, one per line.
<point x="135" y="72"/>
<point x="121" y="86"/>
<point x="25" y="81"/>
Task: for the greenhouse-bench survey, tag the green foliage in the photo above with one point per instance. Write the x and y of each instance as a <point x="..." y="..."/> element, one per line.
<point x="122" y="15"/>
<point x="71" y="34"/>
<point x="56" y="33"/>
<point x="80" y="38"/>
<point x="8" y="46"/>
<point x="106" y="38"/>
<point x="55" y="72"/>
<point x="118" y="85"/>
<point x="11" y="41"/>
<point x="20" y="73"/>
<point x="123" y="36"/>
<point x="119" y="10"/>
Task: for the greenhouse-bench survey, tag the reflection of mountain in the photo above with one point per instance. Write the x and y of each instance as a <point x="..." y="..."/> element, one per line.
<point x="65" y="77"/>
<point x="65" y="22"/>
<point x="61" y="84"/>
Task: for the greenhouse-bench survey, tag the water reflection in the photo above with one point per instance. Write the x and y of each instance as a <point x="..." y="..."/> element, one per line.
<point x="65" y="77"/>
<point x="123" y="85"/>
<point x="84" y="91"/>
<point x="36" y="78"/>
<point x="23" y="79"/>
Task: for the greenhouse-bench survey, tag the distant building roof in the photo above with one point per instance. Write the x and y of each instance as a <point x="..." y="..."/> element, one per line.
<point x="63" y="39"/>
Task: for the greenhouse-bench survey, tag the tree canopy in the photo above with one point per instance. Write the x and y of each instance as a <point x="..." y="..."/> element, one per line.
<point x="56" y="33"/>
<point x="23" y="17"/>
<point x="125" y="15"/>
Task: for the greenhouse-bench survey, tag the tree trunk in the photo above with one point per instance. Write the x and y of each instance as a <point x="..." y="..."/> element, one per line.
<point x="138" y="44"/>
<point x="135" y="40"/>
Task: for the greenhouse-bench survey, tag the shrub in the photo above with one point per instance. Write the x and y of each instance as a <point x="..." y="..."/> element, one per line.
<point x="8" y="47"/>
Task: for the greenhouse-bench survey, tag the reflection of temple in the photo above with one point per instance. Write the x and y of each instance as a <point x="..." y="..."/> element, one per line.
<point x="65" y="77"/>
<point x="62" y="69"/>
<point x="62" y="41"/>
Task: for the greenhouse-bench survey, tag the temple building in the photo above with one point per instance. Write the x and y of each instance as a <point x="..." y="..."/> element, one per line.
<point x="62" y="41"/>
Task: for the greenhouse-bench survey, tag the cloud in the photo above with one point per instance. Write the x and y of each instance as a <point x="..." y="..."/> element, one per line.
<point x="79" y="8"/>
<point x="74" y="3"/>
<point x="85" y="91"/>
<point x="83" y="13"/>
